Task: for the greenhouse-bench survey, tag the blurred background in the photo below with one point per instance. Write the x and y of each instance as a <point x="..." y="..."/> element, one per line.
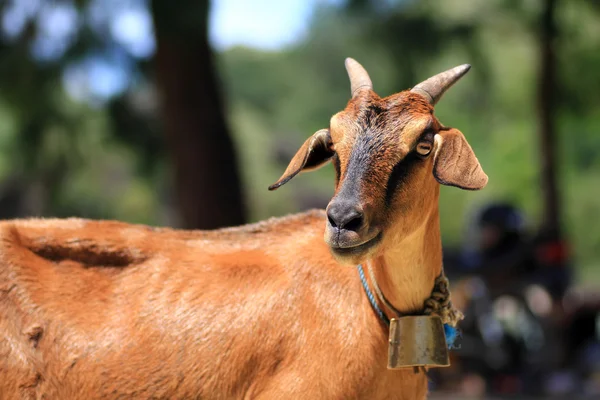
<point x="181" y="113"/>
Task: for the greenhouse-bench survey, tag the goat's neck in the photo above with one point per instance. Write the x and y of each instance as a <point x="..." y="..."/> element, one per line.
<point x="407" y="269"/>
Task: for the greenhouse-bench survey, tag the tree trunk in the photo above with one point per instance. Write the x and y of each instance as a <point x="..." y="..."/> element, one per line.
<point x="206" y="173"/>
<point x="547" y="127"/>
<point x="551" y="248"/>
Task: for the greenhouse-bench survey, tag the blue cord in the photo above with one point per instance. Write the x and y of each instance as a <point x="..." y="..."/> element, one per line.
<point x="370" y="296"/>
<point x="450" y="332"/>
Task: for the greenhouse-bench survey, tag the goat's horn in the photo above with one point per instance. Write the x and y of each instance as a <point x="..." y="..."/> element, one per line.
<point x="433" y="88"/>
<point x="359" y="78"/>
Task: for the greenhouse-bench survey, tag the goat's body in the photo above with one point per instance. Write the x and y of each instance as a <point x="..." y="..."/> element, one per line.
<point x="92" y="309"/>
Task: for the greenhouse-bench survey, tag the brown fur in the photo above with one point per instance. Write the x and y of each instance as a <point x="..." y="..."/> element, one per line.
<point x="227" y="314"/>
<point x="109" y="310"/>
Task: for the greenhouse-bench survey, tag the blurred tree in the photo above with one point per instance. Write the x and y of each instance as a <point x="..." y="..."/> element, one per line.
<point x="206" y="169"/>
<point x="107" y="115"/>
<point x="546" y="99"/>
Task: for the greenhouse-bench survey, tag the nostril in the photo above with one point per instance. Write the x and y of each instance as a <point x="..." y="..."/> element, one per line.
<point x="331" y="221"/>
<point x="355" y="223"/>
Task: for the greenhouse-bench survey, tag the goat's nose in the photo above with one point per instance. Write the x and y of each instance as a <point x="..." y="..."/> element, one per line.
<point x="345" y="215"/>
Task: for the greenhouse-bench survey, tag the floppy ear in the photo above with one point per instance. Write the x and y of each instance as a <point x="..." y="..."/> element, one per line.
<point x="454" y="162"/>
<point x="315" y="152"/>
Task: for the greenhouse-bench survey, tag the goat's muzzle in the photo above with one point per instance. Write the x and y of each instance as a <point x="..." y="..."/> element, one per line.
<point x="348" y="232"/>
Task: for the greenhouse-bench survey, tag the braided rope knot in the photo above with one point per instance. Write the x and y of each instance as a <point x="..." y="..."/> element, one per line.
<point x="439" y="303"/>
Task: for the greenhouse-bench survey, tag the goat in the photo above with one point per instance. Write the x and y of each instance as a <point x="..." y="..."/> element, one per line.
<point x="110" y="310"/>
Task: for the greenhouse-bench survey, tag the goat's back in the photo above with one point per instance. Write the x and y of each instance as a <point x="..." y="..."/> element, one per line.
<point x="107" y="309"/>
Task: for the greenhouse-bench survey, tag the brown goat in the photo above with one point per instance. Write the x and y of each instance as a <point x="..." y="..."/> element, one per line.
<point x="108" y="310"/>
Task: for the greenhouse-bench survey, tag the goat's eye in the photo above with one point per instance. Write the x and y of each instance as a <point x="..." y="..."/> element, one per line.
<point x="424" y="148"/>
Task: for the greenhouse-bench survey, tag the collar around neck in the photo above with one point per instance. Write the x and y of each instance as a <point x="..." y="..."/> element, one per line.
<point x="438" y="303"/>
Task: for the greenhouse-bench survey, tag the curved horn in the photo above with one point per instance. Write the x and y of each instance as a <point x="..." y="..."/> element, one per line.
<point x="433" y="88"/>
<point x="359" y="78"/>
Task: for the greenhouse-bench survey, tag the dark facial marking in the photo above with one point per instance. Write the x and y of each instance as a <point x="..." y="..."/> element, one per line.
<point x="364" y="152"/>
<point x="398" y="176"/>
<point x="369" y="117"/>
<point x="404" y="167"/>
<point x="368" y="143"/>
<point x="336" y="165"/>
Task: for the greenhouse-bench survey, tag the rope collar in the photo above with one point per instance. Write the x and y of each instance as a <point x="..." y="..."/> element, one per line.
<point x="437" y="304"/>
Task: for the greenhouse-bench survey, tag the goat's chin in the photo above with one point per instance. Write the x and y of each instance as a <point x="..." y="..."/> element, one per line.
<point x="357" y="254"/>
<point x="350" y="260"/>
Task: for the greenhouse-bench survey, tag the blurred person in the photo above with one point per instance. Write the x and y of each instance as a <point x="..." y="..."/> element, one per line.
<point x="506" y="254"/>
<point x="506" y="339"/>
<point x="497" y="248"/>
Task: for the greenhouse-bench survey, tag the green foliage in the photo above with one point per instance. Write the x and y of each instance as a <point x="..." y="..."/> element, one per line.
<point x="63" y="157"/>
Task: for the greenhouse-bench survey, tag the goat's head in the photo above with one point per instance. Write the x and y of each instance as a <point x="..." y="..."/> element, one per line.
<point x="389" y="155"/>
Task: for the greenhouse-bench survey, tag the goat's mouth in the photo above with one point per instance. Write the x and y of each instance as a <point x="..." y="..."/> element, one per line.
<point x="355" y="249"/>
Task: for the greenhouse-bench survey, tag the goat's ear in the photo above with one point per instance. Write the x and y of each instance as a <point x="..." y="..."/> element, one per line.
<point x="454" y="162"/>
<point x="315" y="152"/>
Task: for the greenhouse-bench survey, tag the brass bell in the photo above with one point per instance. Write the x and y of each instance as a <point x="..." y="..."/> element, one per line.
<point x="417" y="341"/>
